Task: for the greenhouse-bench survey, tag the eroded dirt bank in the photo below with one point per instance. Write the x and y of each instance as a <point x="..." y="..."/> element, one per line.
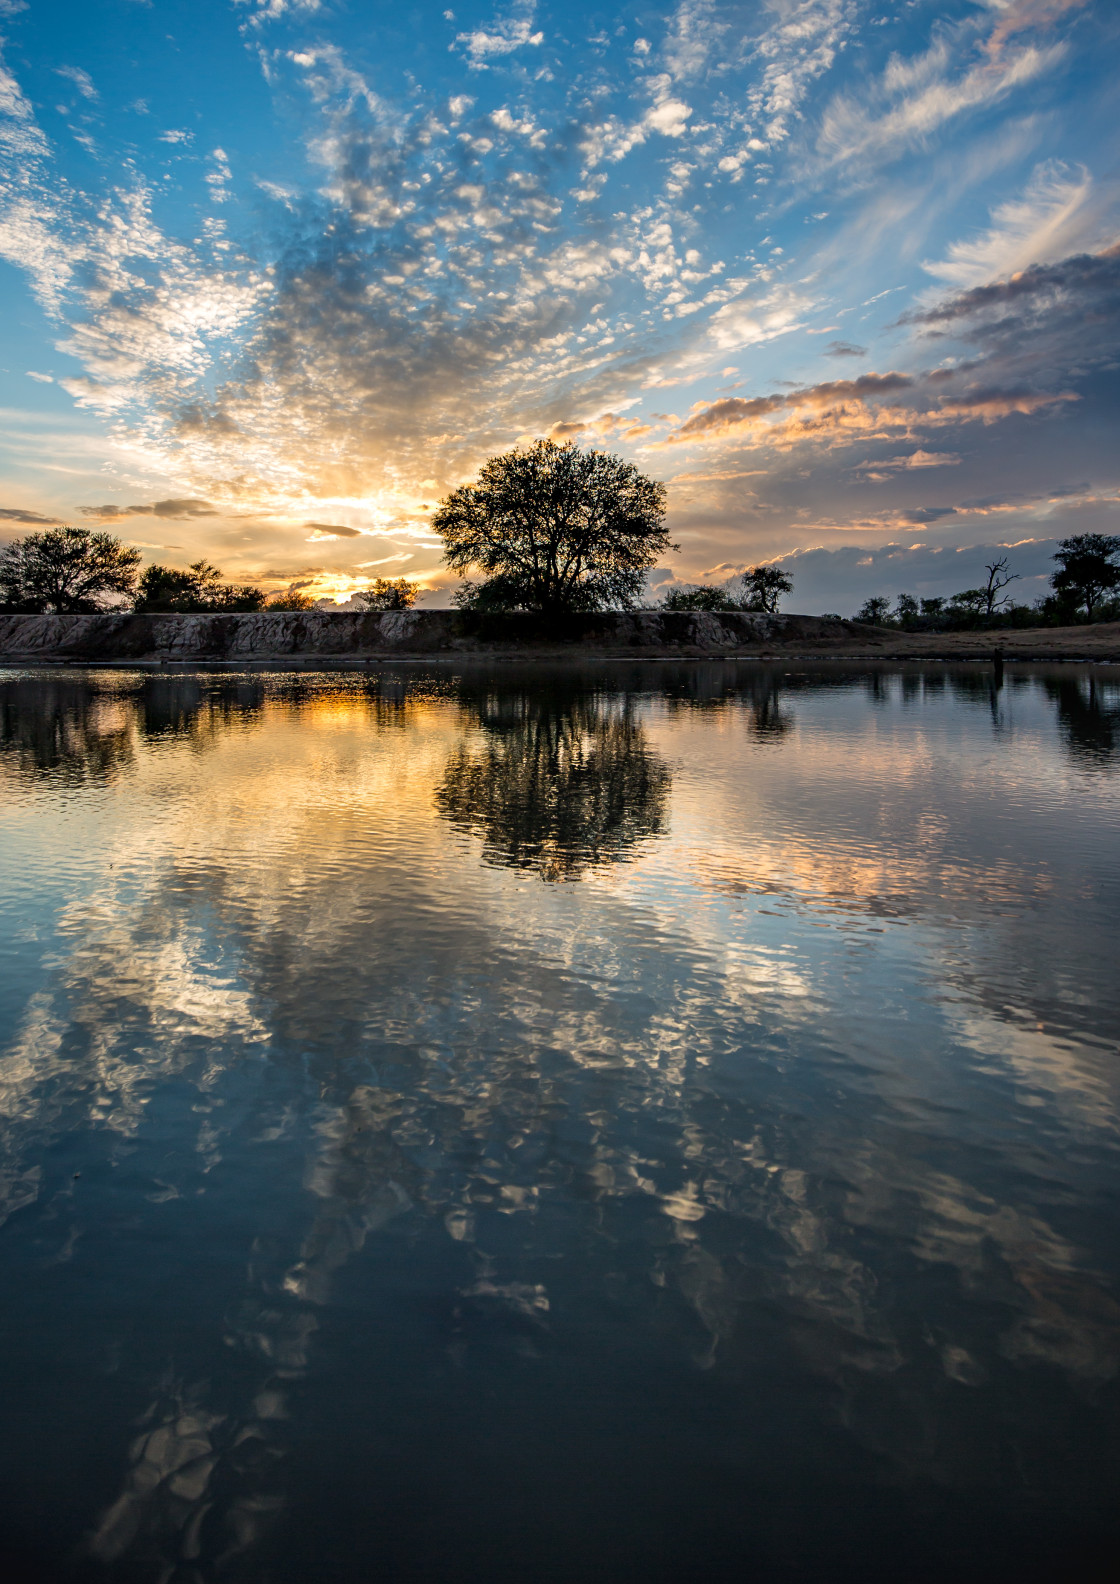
<point x="301" y="636"/>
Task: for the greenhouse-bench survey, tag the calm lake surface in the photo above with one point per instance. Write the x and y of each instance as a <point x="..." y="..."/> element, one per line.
<point x="649" y="1122"/>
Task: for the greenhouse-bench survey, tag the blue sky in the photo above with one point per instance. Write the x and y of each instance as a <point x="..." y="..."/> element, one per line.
<point x="277" y="274"/>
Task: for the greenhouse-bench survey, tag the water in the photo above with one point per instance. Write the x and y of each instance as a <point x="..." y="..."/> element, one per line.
<point x="650" y="1122"/>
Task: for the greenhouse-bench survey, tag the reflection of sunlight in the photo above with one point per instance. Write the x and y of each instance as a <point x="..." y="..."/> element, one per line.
<point x="728" y="1062"/>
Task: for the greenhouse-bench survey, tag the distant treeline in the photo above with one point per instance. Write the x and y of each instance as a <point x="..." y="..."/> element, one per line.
<point x="1083" y="589"/>
<point x="76" y="572"/>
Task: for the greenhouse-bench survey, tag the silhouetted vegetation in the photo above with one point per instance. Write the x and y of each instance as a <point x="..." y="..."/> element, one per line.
<point x="759" y="588"/>
<point x="65" y="728"/>
<point x="389" y="594"/>
<point x="199" y="588"/>
<point x="66" y="570"/>
<point x="1087" y="575"/>
<point x="1090" y="723"/>
<point x="1087" y="572"/>
<point x="554" y="529"/>
<point x="563" y="781"/>
<point x="293" y="600"/>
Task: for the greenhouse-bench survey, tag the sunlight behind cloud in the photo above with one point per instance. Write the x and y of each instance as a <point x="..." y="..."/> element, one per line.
<point x="332" y="307"/>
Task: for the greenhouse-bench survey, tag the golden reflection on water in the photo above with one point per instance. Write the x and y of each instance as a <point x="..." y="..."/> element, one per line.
<point x="799" y="1036"/>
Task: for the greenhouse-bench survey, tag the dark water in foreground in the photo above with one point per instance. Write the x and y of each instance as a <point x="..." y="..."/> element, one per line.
<point x="652" y="1123"/>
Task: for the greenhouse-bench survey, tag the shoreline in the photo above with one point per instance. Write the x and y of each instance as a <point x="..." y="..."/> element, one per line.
<point x="355" y="640"/>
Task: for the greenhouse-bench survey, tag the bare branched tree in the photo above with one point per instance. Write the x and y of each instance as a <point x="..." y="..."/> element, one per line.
<point x="998" y="578"/>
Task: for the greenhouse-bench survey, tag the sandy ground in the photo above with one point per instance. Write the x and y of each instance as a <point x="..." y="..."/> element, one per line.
<point x="1099" y="642"/>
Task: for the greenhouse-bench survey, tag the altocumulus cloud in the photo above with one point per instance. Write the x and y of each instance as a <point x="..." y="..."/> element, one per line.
<point x="551" y="227"/>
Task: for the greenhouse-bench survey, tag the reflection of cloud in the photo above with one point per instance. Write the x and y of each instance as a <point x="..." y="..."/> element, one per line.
<point x="716" y="1110"/>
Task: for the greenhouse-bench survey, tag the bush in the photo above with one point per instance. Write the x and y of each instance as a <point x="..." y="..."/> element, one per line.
<point x="66" y="570"/>
<point x="198" y="589"/>
<point x="760" y="588"/>
<point x="699" y="597"/>
<point x="389" y="594"/>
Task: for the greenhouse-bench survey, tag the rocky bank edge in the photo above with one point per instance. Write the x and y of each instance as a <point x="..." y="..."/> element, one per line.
<point x="424" y="634"/>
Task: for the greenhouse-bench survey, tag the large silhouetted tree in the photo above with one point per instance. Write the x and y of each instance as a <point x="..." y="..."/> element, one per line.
<point x="66" y="569"/>
<point x="1087" y="570"/>
<point x="554" y="529"/>
<point x="763" y="588"/>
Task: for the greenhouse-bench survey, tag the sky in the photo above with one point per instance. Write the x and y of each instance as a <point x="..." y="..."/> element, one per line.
<point x="276" y="275"/>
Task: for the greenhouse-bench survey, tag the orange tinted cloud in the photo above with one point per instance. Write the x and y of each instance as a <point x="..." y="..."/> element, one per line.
<point x="838" y="409"/>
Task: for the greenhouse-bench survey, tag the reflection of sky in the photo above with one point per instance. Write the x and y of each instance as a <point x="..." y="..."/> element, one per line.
<point x="819" y="1073"/>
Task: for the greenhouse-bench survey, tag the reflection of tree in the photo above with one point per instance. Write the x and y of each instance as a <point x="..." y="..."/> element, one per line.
<point x="195" y="706"/>
<point x="757" y="692"/>
<point x="65" y="727"/>
<point x="563" y="782"/>
<point x="1090" y="724"/>
<point x="430" y="1146"/>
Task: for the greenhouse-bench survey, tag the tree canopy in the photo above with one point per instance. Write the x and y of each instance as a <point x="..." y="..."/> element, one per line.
<point x="554" y="529"/>
<point x="760" y="588"/>
<point x="199" y="588"/>
<point x="700" y="597"/>
<point x="66" y="570"/>
<point x="1087" y="570"/>
<point x="389" y="594"/>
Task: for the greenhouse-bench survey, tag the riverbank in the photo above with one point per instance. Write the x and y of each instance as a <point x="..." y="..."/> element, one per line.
<point x="356" y="636"/>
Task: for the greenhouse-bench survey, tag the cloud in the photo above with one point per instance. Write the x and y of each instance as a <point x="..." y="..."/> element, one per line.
<point x="331" y="531"/>
<point x="189" y="508"/>
<point x="797" y="49"/>
<point x="1055" y="217"/>
<point x="989" y="405"/>
<point x="749" y="320"/>
<point x="1020" y="16"/>
<point x="914" y="97"/>
<point x="916" y="459"/>
<point x="837" y="413"/>
<point x="1085" y="287"/>
<point x="840" y="399"/>
<point x="606" y="426"/>
<point x="502" y="37"/>
<point x="32" y="519"/>
<point x="668" y="114"/>
<point x="840" y="578"/>
<point x="82" y="80"/>
<point x="265" y="11"/>
<point x="844" y="349"/>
